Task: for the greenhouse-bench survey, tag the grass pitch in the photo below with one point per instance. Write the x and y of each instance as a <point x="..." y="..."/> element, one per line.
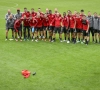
<point x="59" y="66"/>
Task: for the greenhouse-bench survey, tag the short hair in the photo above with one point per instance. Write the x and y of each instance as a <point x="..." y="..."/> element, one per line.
<point x="25" y="8"/>
<point x="82" y="10"/>
<point x="50" y="10"/>
<point x="64" y="12"/>
<point x="39" y="8"/>
<point x="32" y="8"/>
<point x="77" y="13"/>
<point x="68" y="10"/>
<point x="95" y="12"/>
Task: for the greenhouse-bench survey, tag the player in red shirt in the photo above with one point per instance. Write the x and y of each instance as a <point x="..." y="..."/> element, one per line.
<point x="32" y="23"/>
<point x="68" y="30"/>
<point x="26" y="26"/>
<point x="72" y="25"/>
<point x="17" y="28"/>
<point x="74" y="15"/>
<point x="33" y="13"/>
<point x="85" y="28"/>
<point x="47" y="11"/>
<point x="79" y="26"/>
<point x="26" y="13"/>
<point x="39" y="25"/>
<point x="45" y="25"/>
<point x="65" y="24"/>
<point x="58" y="22"/>
<point x="51" y="27"/>
<point x="56" y="11"/>
<point x="81" y="13"/>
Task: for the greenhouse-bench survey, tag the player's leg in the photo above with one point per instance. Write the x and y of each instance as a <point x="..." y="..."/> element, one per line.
<point x="87" y="37"/>
<point x="28" y="31"/>
<point x="84" y="35"/>
<point x="60" y="33"/>
<point x="50" y="33"/>
<point x="6" y="34"/>
<point x="21" y="30"/>
<point x="20" y="33"/>
<point x="95" y="34"/>
<point x="99" y="36"/>
<point x="13" y="31"/>
<point x="54" y="34"/>
<point x="68" y="35"/>
<point x="82" y="32"/>
<point x="41" y="32"/>
<point x="78" y="35"/>
<point x="16" y="32"/>
<point x="44" y="33"/>
<point x="24" y="29"/>
<point x="92" y="32"/>
<point x="36" y="34"/>
<point x="32" y="32"/>
<point x="74" y="36"/>
<point x="64" y="32"/>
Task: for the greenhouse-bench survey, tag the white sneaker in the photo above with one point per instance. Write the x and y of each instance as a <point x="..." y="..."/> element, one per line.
<point x="82" y="43"/>
<point x="78" y="41"/>
<point x="64" y="40"/>
<point x="16" y="40"/>
<point x="18" y="36"/>
<point x="43" y="37"/>
<point x="68" y="41"/>
<point x="6" y="39"/>
<point x="32" y="40"/>
<point x="36" y="40"/>
<point x="61" y="41"/>
<point x="52" y="41"/>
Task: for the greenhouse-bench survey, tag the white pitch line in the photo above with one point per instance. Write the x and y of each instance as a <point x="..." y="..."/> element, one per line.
<point x="16" y="4"/>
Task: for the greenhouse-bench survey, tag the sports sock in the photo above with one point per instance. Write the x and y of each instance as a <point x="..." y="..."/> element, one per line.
<point x="65" y="38"/>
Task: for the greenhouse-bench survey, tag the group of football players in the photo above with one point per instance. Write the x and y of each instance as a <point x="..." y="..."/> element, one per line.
<point x="37" y="26"/>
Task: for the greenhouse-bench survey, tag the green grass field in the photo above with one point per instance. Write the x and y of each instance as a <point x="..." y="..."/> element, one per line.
<point x="59" y="66"/>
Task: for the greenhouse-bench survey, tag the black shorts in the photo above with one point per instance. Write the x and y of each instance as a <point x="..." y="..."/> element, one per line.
<point x="64" y="29"/>
<point x="78" y="30"/>
<point x="99" y="31"/>
<point x="45" y="27"/>
<point x="68" y="31"/>
<point x="10" y="28"/>
<point x="91" y="30"/>
<point x="19" y="28"/>
<point x="57" y="29"/>
<point x="95" y="31"/>
<point x="51" y="28"/>
<point x="39" y="29"/>
<point x="26" y="27"/>
<point x="72" y="30"/>
<point x="85" y="33"/>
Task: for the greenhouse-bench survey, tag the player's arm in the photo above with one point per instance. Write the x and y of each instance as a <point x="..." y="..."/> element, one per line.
<point x="52" y="22"/>
<point x="7" y="24"/>
<point x="15" y="26"/>
<point x="75" y="23"/>
<point x="88" y="27"/>
<point x="67" y="23"/>
<point x="6" y="17"/>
